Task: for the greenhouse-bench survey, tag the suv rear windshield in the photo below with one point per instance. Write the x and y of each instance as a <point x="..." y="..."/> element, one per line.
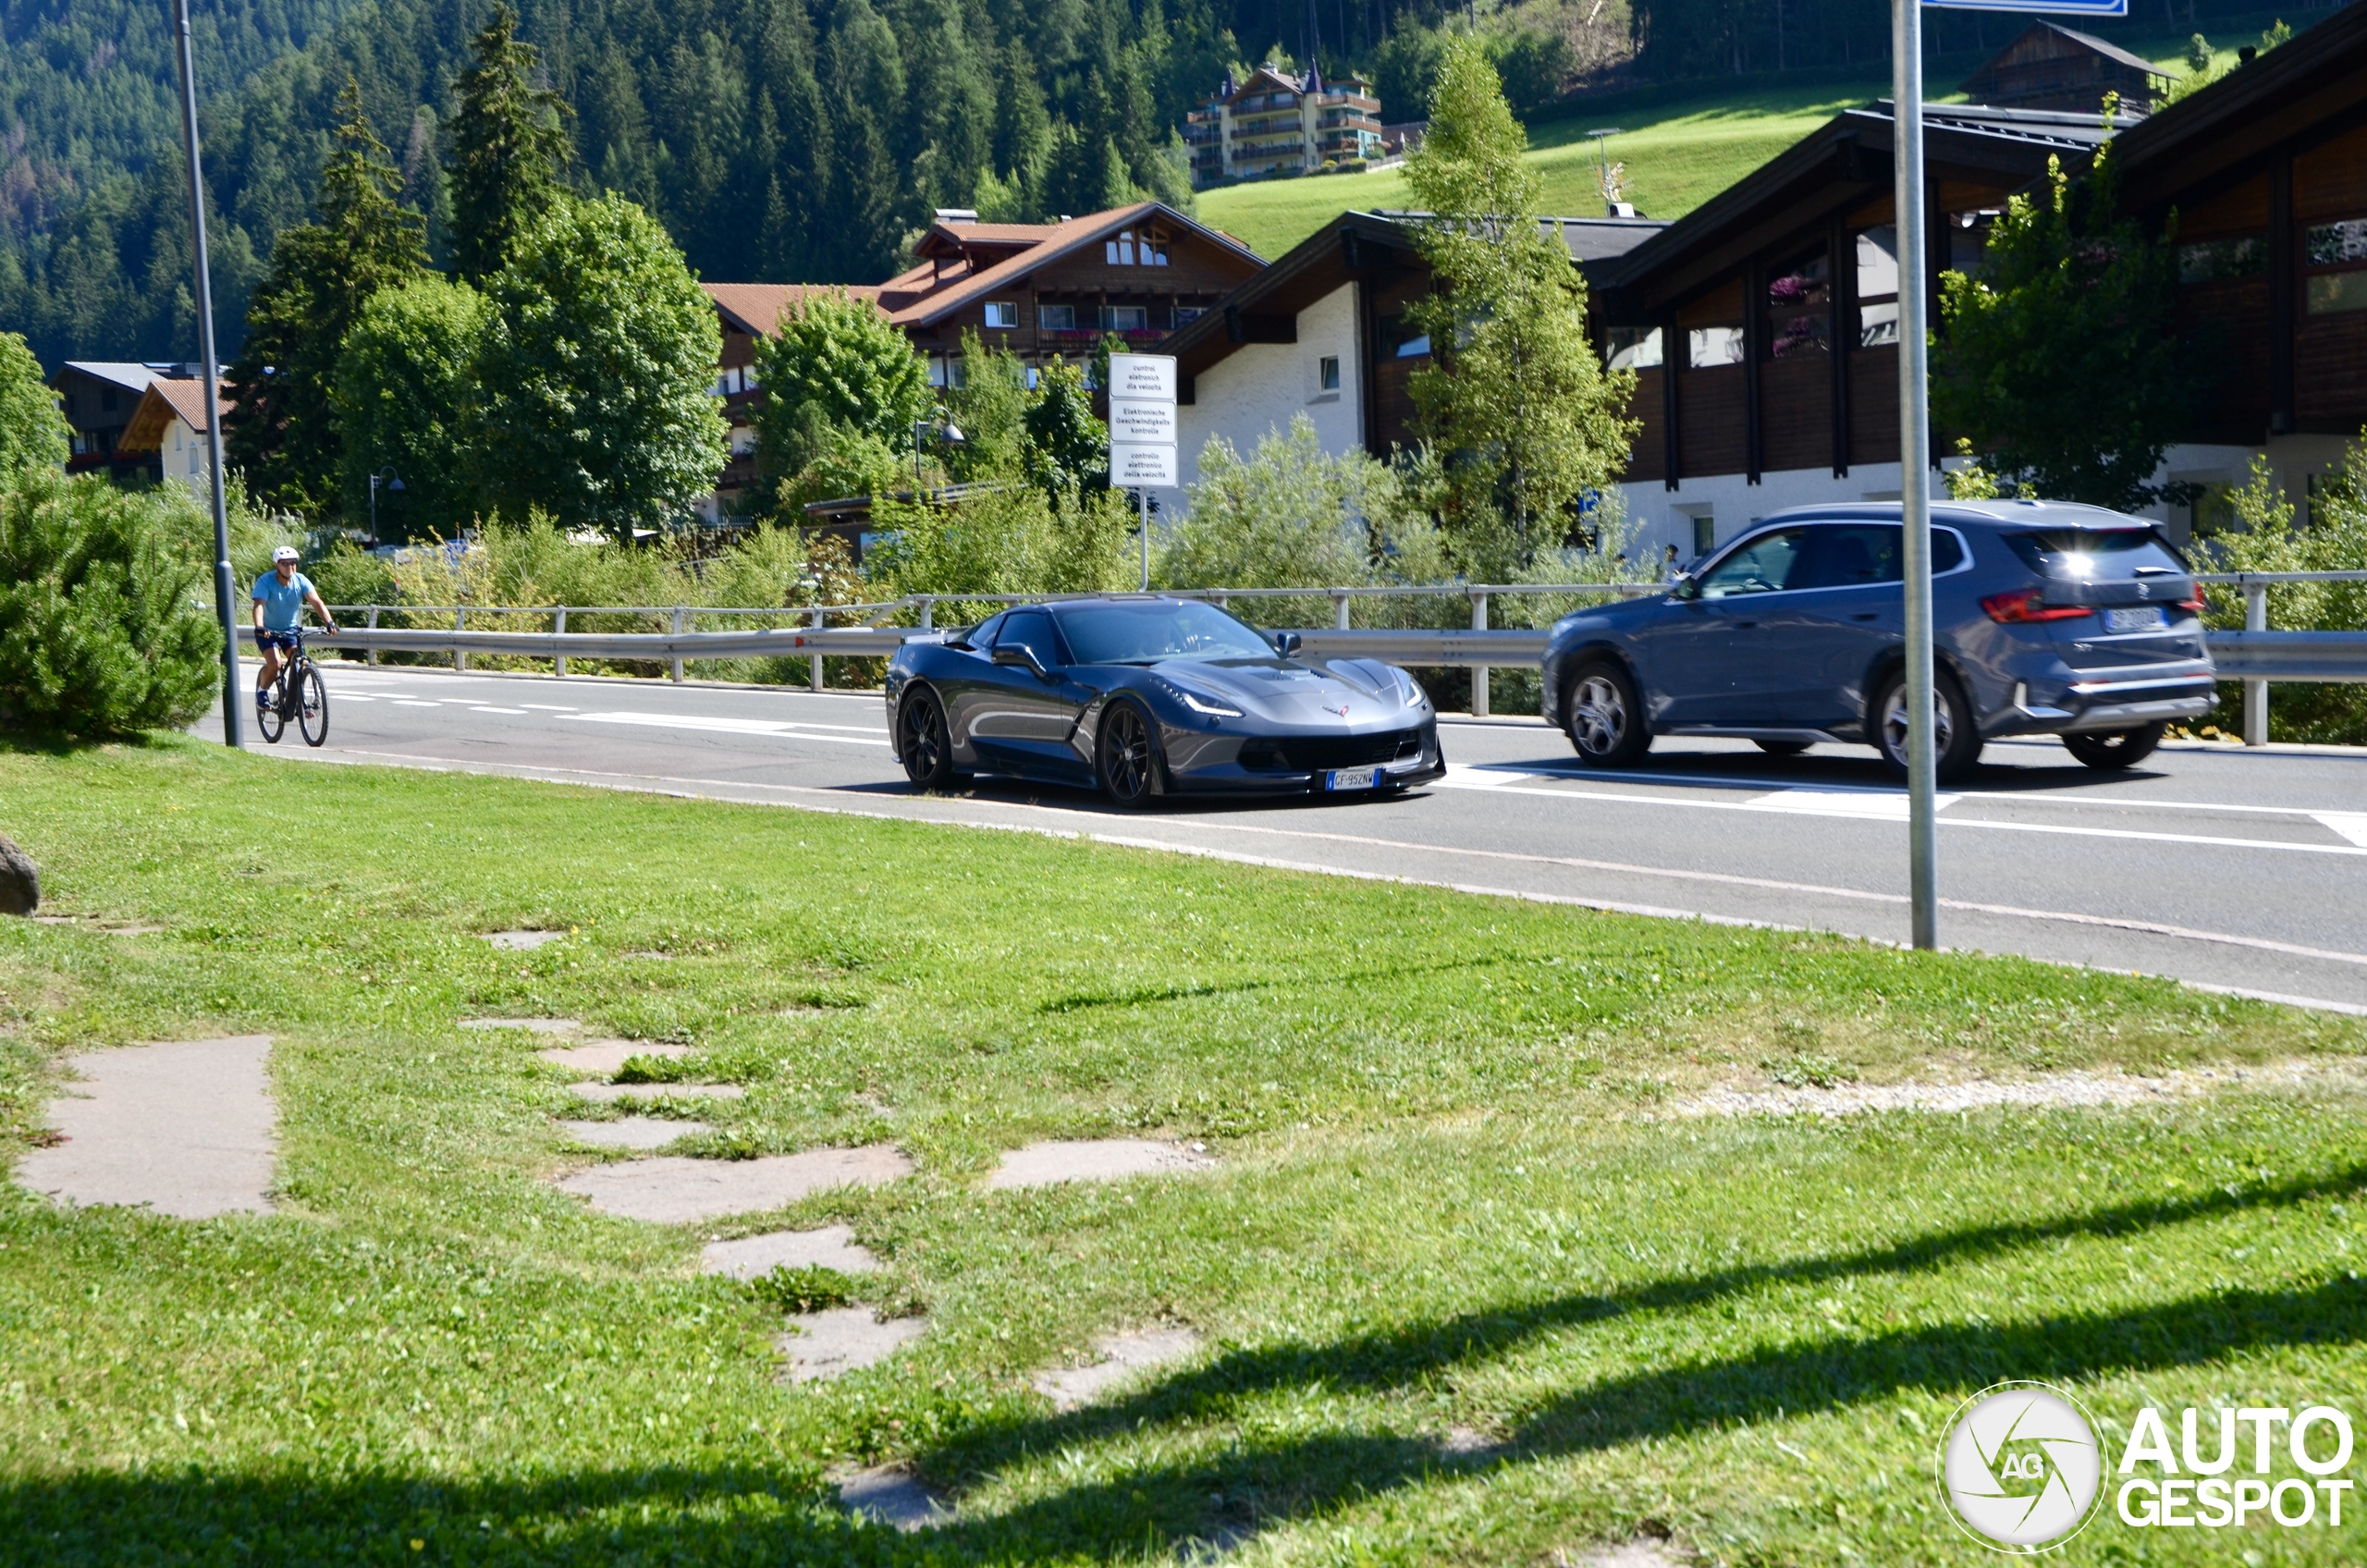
<point x="2079" y="554"/>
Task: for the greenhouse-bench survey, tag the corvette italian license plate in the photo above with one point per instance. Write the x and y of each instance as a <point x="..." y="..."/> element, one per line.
<point x="1352" y="778"/>
<point x="2145" y="618"/>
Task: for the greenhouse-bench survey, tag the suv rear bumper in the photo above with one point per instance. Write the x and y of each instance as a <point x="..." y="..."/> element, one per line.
<point x="2107" y="706"/>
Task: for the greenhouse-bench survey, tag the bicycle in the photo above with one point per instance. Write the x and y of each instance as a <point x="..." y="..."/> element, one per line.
<point x="297" y="692"/>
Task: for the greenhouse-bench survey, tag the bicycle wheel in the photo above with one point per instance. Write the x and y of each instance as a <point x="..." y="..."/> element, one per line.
<point x="271" y="714"/>
<point x="313" y="705"/>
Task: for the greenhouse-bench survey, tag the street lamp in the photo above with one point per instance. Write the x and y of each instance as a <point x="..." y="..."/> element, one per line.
<point x="1602" y="160"/>
<point x="394" y="484"/>
<point x="948" y="434"/>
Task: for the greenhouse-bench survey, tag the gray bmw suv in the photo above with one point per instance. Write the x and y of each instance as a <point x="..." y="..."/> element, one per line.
<point x="2048" y="618"/>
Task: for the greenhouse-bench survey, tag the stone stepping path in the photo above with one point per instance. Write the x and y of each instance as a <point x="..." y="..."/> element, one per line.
<point x="752" y="1257"/>
<point x="1122" y="1355"/>
<point x="521" y="941"/>
<point x="532" y="1025"/>
<point x="1097" y="1159"/>
<point x="184" y="1128"/>
<point x="93" y="923"/>
<point x="674" y="1190"/>
<point x="606" y="1058"/>
<point x="609" y="1093"/>
<point x="830" y="1344"/>
<point x="891" y="1495"/>
<point x="632" y="1132"/>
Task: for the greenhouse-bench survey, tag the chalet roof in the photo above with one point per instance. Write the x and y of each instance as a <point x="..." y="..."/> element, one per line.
<point x="130" y="377"/>
<point x="1839" y="166"/>
<point x="925" y="295"/>
<point x="2313" y="83"/>
<point x="168" y="399"/>
<point x="2049" y="30"/>
<point x="755" y="308"/>
<point x="1587" y="239"/>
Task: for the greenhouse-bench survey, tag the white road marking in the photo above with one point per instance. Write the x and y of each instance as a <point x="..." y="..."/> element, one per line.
<point x="414" y="702"/>
<point x="837" y="807"/>
<point x="2351" y="824"/>
<point x="782" y="730"/>
<point x="1835" y="802"/>
<point x="550" y="707"/>
<point x="515" y="713"/>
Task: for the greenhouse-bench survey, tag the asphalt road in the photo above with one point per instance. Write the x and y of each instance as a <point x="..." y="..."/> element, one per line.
<point x="2238" y="870"/>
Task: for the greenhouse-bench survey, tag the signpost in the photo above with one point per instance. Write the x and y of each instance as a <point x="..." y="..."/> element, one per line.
<point x="1142" y="431"/>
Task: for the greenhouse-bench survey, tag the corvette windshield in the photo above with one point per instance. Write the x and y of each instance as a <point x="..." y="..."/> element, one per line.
<point x="1149" y="632"/>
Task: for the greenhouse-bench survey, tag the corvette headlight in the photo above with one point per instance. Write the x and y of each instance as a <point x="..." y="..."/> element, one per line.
<point x="1202" y="704"/>
<point x="1413" y="690"/>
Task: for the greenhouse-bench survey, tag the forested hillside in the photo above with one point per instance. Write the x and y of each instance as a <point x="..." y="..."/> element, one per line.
<point x="786" y="140"/>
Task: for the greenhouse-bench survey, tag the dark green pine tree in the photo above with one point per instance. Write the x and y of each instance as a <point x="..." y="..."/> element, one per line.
<point x="280" y="431"/>
<point x="871" y="203"/>
<point x="511" y="144"/>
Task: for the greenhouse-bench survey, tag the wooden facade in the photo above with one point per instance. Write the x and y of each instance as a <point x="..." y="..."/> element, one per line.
<point x="2053" y="68"/>
<point x="1763" y="327"/>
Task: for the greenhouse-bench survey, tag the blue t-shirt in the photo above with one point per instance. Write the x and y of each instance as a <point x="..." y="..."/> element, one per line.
<point x="282" y="602"/>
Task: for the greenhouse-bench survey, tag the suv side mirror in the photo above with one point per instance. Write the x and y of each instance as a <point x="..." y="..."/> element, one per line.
<point x="1683" y="586"/>
<point x="1020" y="655"/>
<point x="1286" y="644"/>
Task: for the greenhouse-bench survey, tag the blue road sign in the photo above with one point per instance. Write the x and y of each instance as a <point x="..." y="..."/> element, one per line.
<point x="2058" y="8"/>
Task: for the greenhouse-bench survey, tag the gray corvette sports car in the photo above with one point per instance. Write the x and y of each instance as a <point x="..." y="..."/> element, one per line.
<point x="1147" y="696"/>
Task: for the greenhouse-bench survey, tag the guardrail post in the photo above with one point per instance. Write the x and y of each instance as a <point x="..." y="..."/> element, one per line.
<point x="373" y="624"/>
<point x="1478" y="671"/>
<point x="460" y="623"/>
<point x="558" y="665"/>
<point x="2255" y="692"/>
<point x="1339" y="611"/>
<point x="679" y="613"/>
<point x="817" y="657"/>
<point x="928" y="613"/>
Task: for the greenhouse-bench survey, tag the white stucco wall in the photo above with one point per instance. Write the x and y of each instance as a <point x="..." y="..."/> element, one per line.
<point x="1259" y="387"/>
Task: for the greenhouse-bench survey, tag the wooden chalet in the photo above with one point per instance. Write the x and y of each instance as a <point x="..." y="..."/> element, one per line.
<point x="98" y="398"/>
<point x="166" y="433"/>
<point x="1763" y="326"/>
<point x="2053" y="68"/>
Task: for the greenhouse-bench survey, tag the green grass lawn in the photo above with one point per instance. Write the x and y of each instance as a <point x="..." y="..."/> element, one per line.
<point x="1450" y="1193"/>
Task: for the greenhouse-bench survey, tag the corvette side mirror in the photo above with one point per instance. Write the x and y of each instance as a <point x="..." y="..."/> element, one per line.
<point x="1286" y="644"/>
<point x="1024" y="657"/>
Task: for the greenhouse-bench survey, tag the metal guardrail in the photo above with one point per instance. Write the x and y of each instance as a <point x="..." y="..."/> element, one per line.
<point x="2254" y="655"/>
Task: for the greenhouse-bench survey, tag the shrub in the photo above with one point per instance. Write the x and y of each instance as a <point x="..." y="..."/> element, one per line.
<point x="100" y="631"/>
<point x="32" y="433"/>
<point x="2270" y="538"/>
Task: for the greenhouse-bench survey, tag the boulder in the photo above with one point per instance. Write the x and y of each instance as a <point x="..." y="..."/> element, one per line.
<point x="20" y="883"/>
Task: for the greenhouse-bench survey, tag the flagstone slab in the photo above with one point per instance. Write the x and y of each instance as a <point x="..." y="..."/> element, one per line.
<point x="183" y="1127"/>
<point x="891" y="1495"/>
<point x="609" y="1093"/>
<point x="751" y="1257"/>
<point x="822" y="1345"/>
<point x="1122" y="1355"/>
<point x="632" y="1132"/>
<point x="676" y="1190"/>
<point x="606" y="1058"/>
<point x="532" y="1025"/>
<point x="1094" y="1159"/>
<point x="521" y="941"/>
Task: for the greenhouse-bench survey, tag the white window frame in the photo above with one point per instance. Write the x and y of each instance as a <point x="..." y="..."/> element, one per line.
<point x="1003" y="315"/>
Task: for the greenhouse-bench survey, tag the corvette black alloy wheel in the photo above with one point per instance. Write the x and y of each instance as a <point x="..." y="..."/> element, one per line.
<point x="1127" y="756"/>
<point x="922" y="737"/>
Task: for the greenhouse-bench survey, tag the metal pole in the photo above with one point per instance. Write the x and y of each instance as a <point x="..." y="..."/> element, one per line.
<point x="558" y="665"/>
<point x="678" y="632"/>
<point x="1914" y="472"/>
<point x="2255" y="692"/>
<point x="459" y="623"/>
<point x="1478" y="671"/>
<point x="1144" y="495"/>
<point x="225" y="591"/>
<point x="374" y="626"/>
<point x="817" y="657"/>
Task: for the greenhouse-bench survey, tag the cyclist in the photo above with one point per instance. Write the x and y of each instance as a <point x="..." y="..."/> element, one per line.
<point x="281" y="596"/>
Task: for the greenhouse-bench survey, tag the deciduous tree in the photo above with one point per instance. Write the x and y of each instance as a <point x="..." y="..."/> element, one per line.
<point x="32" y="433"/>
<point x="404" y="387"/>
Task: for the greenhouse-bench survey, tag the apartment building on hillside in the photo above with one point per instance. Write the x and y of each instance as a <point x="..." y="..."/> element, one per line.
<point x="1278" y="124"/>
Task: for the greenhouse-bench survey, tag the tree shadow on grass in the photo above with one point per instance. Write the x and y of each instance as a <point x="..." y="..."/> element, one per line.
<point x="1225" y="1490"/>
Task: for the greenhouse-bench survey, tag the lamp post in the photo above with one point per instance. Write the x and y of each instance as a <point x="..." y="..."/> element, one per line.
<point x="1915" y="470"/>
<point x="225" y="603"/>
<point x="948" y="434"/>
<point x="394" y="484"/>
<point x="1602" y="160"/>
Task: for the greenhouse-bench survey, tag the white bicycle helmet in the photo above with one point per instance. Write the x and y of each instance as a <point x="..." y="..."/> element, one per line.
<point x="284" y="553"/>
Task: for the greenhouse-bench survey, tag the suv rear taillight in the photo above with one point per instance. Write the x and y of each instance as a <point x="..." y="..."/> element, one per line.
<point x="2200" y="603"/>
<point x="2028" y="604"/>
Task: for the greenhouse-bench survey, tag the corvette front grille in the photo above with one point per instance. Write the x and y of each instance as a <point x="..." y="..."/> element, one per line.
<point x="1312" y="753"/>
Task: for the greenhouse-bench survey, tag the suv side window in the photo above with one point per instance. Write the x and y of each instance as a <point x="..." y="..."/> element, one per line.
<point x="1860" y="555"/>
<point x="1763" y="565"/>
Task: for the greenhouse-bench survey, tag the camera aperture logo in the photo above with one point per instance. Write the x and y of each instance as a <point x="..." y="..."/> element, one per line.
<point x="2020" y="1468"/>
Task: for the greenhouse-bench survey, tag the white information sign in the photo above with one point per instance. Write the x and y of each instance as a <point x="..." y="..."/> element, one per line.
<point x="1137" y="421"/>
<point x="1133" y="467"/>
<point x="1148" y="377"/>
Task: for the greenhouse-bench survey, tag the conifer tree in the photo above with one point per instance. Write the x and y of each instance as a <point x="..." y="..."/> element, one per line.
<point x="511" y="144"/>
<point x="281" y="430"/>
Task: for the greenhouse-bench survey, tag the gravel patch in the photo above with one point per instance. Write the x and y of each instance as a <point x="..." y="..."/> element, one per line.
<point x="1095" y="1159"/>
<point x="674" y="1190"/>
<point x="532" y="1025"/>
<point x="2060" y="1089"/>
<point x="1643" y="1553"/>
<point x="1123" y="1356"/>
<point x="1468" y="1442"/>
<point x="521" y="941"/>
<point x="890" y="1494"/>
<point x="184" y="1128"/>
<point x="609" y="1093"/>
<point x="632" y="1132"/>
<point x="821" y="1345"/>
<point x="605" y="1058"/>
<point x="752" y="1257"/>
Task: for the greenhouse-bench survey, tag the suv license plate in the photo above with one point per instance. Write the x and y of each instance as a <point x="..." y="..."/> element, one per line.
<point x="2145" y="618"/>
<point x="1352" y="778"/>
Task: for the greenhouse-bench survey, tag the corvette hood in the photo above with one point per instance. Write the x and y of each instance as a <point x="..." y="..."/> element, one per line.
<point x="1313" y="693"/>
